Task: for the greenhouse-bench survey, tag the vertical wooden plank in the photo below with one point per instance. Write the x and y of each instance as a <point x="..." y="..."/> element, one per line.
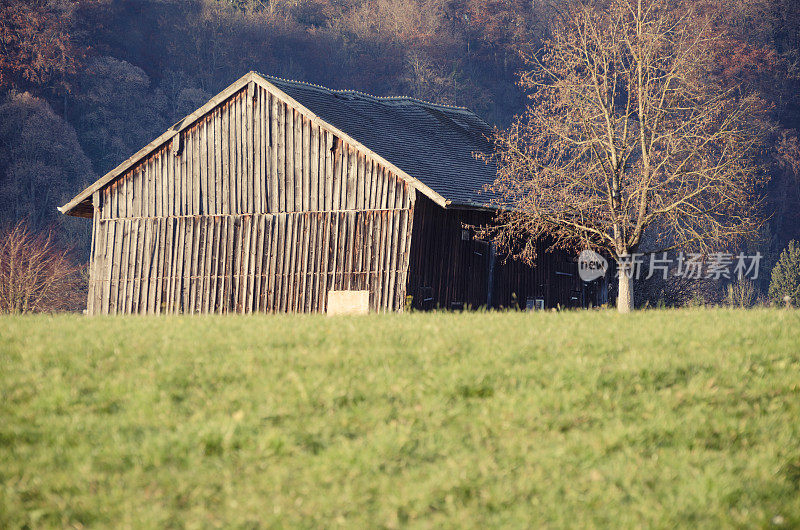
<point x="132" y="278"/>
<point x="93" y="254"/>
<point x="333" y="250"/>
<point x="120" y="258"/>
<point x="302" y="266"/>
<point x="92" y="307"/>
<point x="270" y="245"/>
<point x="121" y="199"/>
<point x="185" y="192"/>
<point x="286" y="262"/>
<point x="212" y="164"/>
<point x="337" y="175"/>
<point x="245" y="294"/>
<point x="204" y="265"/>
<point x="108" y="203"/>
<point x="129" y="257"/>
<point x="124" y="260"/>
<point x="218" y="193"/>
<point x="195" y="263"/>
<point x="225" y="175"/>
<point x="361" y="237"/>
<point x="360" y="182"/>
<point x="276" y="156"/>
<point x="380" y="238"/>
<point x="258" y="266"/>
<point x="105" y="272"/>
<point x="115" y="265"/>
<point x="162" y="184"/>
<point x="272" y="267"/>
<point x="329" y="174"/>
<point x="148" y="185"/>
<point x="391" y="189"/>
<point x="251" y="258"/>
<point x="169" y="255"/>
<point x="160" y="227"/>
<point x="314" y="168"/>
<point x="233" y="256"/>
<point x="266" y="163"/>
<point x="179" y="227"/>
<point x="128" y="186"/>
<point x="306" y="163"/>
<point x="299" y="272"/>
<point x="187" y="175"/>
<point x="369" y="268"/>
<point x="233" y="182"/>
<point x="184" y="263"/>
<point x="226" y="251"/>
<point x="323" y="247"/>
<point x="249" y="154"/>
<point x="151" y="275"/>
<point x="257" y="151"/>
<point x="279" y="138"/>
<point x="186" y="277"/>
<point x="381" y="189"/>
<point x="348" y="249"/>
<point x="207" y="161"/>
<point x="299" y="189"/>
<point x="289" y="159"/>
<point x="202" y="133"/>
<point x="202" y="259"/>
<point x="191" y="295"/>
<point x="216" y="231"/>
<point x="226" y="238"/>
<point x="145" y="262"/>
<point x="260" y="146"/>
<point x="393" y="255"/>
<point x="138" y="225"/>
<point x="136" y="183"/>
<point x="352" y="179"/>
<point x="339" y="242"/>
<point x="313" y="260"/>
<point x="262" y="263"/>
<point x="236" y="271"/>
<point x="405" y="234"/>
<point x="236" y="146"/>
<point x="197" y="208"/>
<point x="241" y="181"/>
<point x="295" y="270"/>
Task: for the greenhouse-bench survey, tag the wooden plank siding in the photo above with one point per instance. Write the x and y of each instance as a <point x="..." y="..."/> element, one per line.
<point x="260" y="209"/>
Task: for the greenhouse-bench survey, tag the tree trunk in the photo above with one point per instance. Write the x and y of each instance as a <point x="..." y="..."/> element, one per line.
<point x="625" y="294"/>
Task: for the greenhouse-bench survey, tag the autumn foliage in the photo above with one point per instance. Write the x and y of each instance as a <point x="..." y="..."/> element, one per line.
<point x="35" y="42"/>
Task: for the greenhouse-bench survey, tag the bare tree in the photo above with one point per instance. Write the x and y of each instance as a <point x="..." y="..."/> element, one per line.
<point x="627" y="132"/>
<point x="36" y="275"/>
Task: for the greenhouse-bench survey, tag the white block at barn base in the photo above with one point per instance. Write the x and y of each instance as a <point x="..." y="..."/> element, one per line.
<point x="348" y="302"/>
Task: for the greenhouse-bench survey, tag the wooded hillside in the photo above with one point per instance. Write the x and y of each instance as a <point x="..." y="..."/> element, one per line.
<point x="86" y="83"/>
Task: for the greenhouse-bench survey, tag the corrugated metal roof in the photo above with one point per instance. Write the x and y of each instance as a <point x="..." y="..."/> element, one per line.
<point x="433" y="143"/>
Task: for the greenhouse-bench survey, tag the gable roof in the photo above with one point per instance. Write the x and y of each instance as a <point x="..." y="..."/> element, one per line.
<point x="432" y="146"/>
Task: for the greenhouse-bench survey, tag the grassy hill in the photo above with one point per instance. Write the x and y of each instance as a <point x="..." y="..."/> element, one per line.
<point x="662" y="418"/>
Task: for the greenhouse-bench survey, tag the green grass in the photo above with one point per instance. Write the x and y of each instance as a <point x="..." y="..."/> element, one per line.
<point x="580" y="419"/>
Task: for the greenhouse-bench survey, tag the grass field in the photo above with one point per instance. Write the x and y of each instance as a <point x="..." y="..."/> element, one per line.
<point x="578" y="419"/>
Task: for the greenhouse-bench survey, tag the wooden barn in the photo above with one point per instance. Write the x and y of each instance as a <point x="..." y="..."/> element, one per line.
<point x="277" y="193"/>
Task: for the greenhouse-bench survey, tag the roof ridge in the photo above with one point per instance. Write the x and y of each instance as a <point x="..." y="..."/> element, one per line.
<point x="411" y="99"/>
